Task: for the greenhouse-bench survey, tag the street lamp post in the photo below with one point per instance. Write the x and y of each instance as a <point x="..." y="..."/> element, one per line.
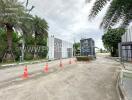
<point x="22" y="49"/>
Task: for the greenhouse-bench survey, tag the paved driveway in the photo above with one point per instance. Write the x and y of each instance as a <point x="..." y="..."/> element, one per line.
<point x="95" y="80"/>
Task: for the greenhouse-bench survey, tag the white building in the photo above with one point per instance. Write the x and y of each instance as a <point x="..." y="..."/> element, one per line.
<point x="127" y="37"/>
<point x="125" y="47"/>
<point x="59" y="48"/>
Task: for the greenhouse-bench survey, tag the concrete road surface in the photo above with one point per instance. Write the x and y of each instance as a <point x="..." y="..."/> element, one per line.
<point x="95" y="80"/>
<point x="17" y="71"/>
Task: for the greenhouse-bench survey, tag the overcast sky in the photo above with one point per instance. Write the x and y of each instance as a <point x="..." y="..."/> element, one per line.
<point x="68" y="19"/>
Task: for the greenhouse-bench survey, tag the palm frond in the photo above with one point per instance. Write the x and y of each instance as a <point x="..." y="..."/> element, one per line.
<point x="118" y="9"/>
<point x="98" y="5"/>
<point x="127" y="18"/>
<point x="10" y="11"/>
<point x="114" y="13"/>
<point x="27" y="3"/>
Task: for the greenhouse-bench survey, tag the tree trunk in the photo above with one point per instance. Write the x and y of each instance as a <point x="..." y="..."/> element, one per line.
<point x="9" y="38"/>
<point x="8" y="55"/>
<point x="114" y="52"/>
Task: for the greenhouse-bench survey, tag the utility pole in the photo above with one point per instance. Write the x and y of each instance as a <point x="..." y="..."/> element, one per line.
<point x="74" y="52"/>
<point x="23" y="46"/>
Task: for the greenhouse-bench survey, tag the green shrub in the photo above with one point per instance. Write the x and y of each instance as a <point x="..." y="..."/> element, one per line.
<point x="28" y="56"/>
<point x="42" y="54"/>
<point x="84" y="58"/>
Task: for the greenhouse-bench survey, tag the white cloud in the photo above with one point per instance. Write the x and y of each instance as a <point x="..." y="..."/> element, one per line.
<point x="68" y="19"/>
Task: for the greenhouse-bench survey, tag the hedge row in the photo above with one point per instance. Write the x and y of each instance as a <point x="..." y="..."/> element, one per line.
<point x="84" y="58"/>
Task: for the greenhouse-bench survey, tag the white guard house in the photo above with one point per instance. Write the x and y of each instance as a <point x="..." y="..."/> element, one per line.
<point x="125" y="47"/>
<point x="59" y="49"/>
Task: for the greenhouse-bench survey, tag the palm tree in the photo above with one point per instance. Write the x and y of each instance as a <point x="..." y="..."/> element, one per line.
<point x="34" y="26"/>
<point x="40" y="30"/>
<point x="11" y="12"/>
<point x="119" y="10"/>
<point x="35" y="29"/>
<point x="40" y="26"/>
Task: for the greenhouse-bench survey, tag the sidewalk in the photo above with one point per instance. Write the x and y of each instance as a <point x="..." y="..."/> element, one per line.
<point x="124" y="82"/>
<point x="125" y="85"/>
<point x="127" y="80"/>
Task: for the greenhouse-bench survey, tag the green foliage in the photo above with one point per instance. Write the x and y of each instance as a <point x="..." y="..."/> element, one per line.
<point x="3" y="43"/>
<point x="40" y="26"/>
<point x="29" y="40"/>
<point x="35" y="26"/>
<point x="76" y="47"/>
<point x="40" y="41"/>
<point x="118" y="9"/>
<point x="28" y="56"/>
<point x="11" y="14"/>
<point x="35" y="29"/>
<point x="111" y="39"/>
<point x="16" y="50"/>
<point x="84" y="58"/>
<point x="39" y="33"/>
<point x="43" y="54"/>
<point x="11" y="11"/>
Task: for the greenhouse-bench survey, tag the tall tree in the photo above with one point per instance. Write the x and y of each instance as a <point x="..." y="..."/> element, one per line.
<point x="35" y="26"/>
<point x="37" y="30"/>
<point x="40" y="27"/>
<point x="118" y="10"/>
<point x="111" y="39"/>
<point x="12" y="13"/>
<point x="3" y="43"/>
<point x="76" y="47"/>
<point x="40" y="30"/>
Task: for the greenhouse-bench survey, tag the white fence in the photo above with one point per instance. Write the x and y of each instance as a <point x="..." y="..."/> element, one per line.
<point x="59" y="48"/>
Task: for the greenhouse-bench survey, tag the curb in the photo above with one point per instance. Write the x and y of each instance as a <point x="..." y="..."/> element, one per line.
<point x="120" y="89"/>
<point x="24" y="63"/>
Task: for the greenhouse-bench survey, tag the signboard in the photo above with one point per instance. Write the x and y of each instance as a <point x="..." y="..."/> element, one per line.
<point x="87" y="47"/>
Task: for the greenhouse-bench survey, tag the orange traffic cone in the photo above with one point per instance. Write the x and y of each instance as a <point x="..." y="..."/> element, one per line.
<point x="25" y="74"/>
<point x="46" y="68"/>
<point x="61" y="65"/>
<point x="70" y="61"/>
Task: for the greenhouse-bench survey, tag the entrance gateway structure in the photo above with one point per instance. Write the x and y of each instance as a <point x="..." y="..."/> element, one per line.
<point x="59" y="48"/>
<point x="87" y="47"/>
